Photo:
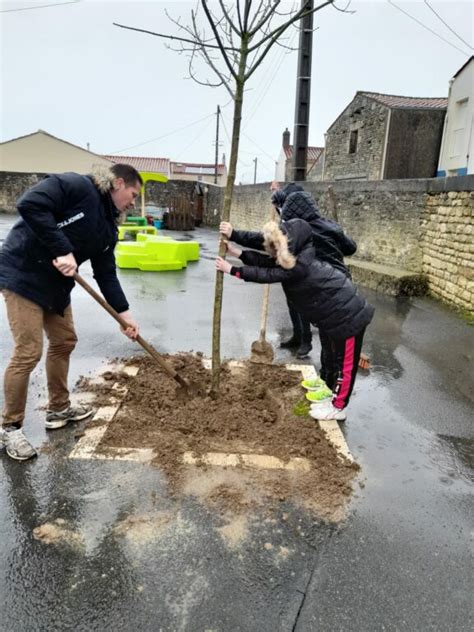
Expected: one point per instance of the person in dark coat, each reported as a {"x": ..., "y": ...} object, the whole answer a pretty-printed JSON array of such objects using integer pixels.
[
  {"x": 65, "y": 220},
  {"x": 320, "y": 292}
]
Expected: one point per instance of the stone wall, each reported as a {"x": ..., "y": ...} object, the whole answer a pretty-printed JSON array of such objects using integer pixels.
[
  {"x": 383, "y": 217},
  {"x": 448, "y": 246},
  {"x": 417, "y": 225},
  {"x": 13, "y": 185}
]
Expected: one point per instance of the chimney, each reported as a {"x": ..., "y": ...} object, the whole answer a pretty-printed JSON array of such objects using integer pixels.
[{"x": 286, "y": 139}]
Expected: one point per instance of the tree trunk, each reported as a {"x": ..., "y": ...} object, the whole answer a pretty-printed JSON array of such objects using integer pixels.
[{"x": 216, "y": 325}]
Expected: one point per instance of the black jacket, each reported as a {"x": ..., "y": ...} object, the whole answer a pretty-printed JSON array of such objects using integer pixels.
[
  {"x": 62, "y": 214},
  {"x": 317, "y": 290},
  {"x": 330, "y": 242}
]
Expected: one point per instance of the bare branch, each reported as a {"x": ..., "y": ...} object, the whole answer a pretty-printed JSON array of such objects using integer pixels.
[
  {"x": 248, "y": 6},
  {"x": 282, "y": 28},
  {"x": 225, "y": 80},
  {"x": 197, "y": 42},
  {"x": 194, "y": 78},
  {"x": 266, "y": 17},
  {"x": 228, "y": 17},
  {"x": 258, "y": 11},
  {"x": 216, "y": 34},
  {"x": 239, "y": 16},
  {"x": 273, "y": 37},
  {"x": 345, "y": 8}
]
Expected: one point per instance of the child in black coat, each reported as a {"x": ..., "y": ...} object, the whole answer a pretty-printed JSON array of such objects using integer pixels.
[{"x": 322, "y": 293}]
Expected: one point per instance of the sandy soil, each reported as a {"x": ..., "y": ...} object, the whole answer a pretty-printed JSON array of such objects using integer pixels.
[{"x": 261, "y": 410}]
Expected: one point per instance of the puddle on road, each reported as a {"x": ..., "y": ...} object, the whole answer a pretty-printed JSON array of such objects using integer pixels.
[{"x": 455, "y": 457}]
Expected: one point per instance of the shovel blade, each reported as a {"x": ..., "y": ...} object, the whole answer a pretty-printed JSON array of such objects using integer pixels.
[{"x": 261, "y": 352}]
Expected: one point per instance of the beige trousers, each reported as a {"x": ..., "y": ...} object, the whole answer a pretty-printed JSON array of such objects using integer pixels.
[{"x": 27, "y": 321}]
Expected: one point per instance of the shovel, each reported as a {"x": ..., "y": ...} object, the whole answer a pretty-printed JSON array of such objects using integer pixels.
[
  {"x": 185, "y": 389},
  {"x": 262, "y": 351}
]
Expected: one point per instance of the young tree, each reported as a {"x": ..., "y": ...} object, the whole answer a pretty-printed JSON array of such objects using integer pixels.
[{"x": 238, "y": 37}]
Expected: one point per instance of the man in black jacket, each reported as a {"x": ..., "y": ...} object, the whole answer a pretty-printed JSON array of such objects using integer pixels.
[
  {"x": 65, "y": 220},
  {"x": 320, "y": 292}
]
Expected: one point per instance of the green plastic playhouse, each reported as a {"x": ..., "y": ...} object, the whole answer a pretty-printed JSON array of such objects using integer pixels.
[{"x": 155, "y": 253}]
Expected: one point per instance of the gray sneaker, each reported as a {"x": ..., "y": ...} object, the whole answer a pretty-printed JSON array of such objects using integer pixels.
[
  {"x": 56, "y": 420},
  {"x": 17, "y": 445}
]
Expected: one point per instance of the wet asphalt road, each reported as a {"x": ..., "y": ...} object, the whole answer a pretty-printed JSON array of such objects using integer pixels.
[{"x": 400, "y": 562}]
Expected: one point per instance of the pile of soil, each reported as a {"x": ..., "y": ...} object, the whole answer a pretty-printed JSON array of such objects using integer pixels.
[{"x": 261, "y": 410}]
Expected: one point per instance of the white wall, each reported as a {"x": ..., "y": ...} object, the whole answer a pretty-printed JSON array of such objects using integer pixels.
[
  {"x": 458, "y": 135},
  {"x": 42, "y": 153}
]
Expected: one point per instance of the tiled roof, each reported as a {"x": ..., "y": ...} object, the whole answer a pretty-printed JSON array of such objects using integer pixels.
[
  {"x": 142, "y": 163},
  {"x": 313, "y": 153},
  {"x": 394, "y": 101},
  {"x": 197, "y": 168}
]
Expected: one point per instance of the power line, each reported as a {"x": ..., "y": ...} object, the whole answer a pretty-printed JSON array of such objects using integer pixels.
[
  {"x": 427, "y": 28},
  {"x": 146, "y": 142},
  {"x": 447, "y": 25},
  {"x": 42, "y": 6},
  {"x": 248, "y": 137}
]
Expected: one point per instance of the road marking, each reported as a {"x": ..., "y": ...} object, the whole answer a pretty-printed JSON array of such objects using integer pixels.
[
  {"x": 263, "y": 461},
  {"x": 86, "y": 447}
]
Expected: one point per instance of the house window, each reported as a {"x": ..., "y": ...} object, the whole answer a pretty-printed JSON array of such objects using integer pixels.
[{"x": 353, "y": 141}]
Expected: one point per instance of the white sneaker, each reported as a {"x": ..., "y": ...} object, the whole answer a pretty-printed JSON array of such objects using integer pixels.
[
  {"x": 56, "y": 420},
  {"x": 17, "y": 445},
  {"x": 326, "y": 410}
]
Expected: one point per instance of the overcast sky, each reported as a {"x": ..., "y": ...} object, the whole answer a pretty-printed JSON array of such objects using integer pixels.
[{"x": 69, "y": 71}]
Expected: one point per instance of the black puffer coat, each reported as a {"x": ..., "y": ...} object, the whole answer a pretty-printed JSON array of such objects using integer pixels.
[
  {"x": 62, "y": 214},
  {"x": 317, "y": 290},
  {"x": 330, "y": 242}
]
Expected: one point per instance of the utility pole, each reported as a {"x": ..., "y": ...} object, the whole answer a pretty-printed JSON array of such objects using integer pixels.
[
  {"x": 216, "y": 164},
  {"x": 255, "y": 171},
  {"x": 303, "y": 94}
]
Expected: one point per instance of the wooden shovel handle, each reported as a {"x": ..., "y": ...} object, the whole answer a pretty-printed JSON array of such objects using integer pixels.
[
  {"x": 263, "y": 321},
  {"x": 123, "y": 323}
]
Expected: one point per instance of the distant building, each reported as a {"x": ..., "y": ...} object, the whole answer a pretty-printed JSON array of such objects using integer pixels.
[
  {"x": 457, "y": 149},
  {"x": 283, "y": 168},
  {"x": 41, "y": 152},
  {"x": 143, "y": 164},
  {"x": 202, "y": 172},
  {"x": 382, "y": 136}
]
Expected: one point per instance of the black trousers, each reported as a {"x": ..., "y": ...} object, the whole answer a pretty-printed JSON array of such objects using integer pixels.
[
  {"x": 301, "y": 326},
  {"x": 339, "y": 363}
]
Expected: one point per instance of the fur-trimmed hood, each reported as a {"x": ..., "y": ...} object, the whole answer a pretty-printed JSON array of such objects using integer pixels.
[
  {"x": 103, "y": 177},
  {"x": 284, "y": 242}
]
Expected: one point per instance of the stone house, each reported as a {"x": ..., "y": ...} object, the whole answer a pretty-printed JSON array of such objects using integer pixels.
[
  {"x": 284, "y": 164},
  {"x": 41, "y": 152},
  {"x": 382, "y": 137},
  {"x": 457, "y": 148}
]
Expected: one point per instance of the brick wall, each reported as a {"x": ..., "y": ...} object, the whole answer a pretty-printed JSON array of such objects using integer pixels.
[{"x": 448, "y": 246}]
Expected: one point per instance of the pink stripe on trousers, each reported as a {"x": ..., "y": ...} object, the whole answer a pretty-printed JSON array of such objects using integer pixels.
[{"x": 347, "y": 366}]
